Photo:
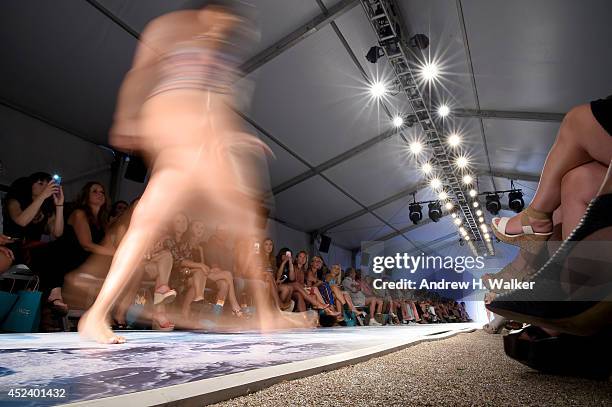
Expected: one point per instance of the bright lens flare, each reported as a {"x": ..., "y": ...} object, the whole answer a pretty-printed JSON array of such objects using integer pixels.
[
  {"x": 457, "y": 221},
  {"x": 448, "y": 206},
  {"x": 378, "y": 89},
  {"x": 427, "y": 168},
  {"x": 443, "y": 195},
  {"x": 416, "y": 147},
  {"x": 462, "y": 162},
  {"x": 435, "y": 183},
  {"x": 475, "y": 204},
  {"x": 473, "y": 193},
  {"x": 444, "y": 111},
  {"x": 467, "y": 238},
  {"x": 468, "y": 179},
  {"x": 481, "y": 219},
  {"x": 454, "y": 140},
  {"x": 398, "y": 121},
  {"x": 429, "y": 71},
  {"x": 478, "y": 212}
]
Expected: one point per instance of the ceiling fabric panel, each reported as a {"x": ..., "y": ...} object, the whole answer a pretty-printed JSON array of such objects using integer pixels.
[
  {"x": 356, "y": 231},
  {"x": 313, "y": 203},
  {"x": 517, "y": 146},
  {"x": 543, "y": 56},
  {"x": 312, "y": 98},
  {"x": 377, "y": 173},
  {"x": 66, "y": 63}
]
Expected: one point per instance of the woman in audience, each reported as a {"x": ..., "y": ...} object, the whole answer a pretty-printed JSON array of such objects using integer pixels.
[
  {"x": 34, "y": 207},
  {"x": 300, "y": 295},
  {"x": 280, "y": 294},
  {"x": 83, "y": 235},
  {"x": 343, "y": 297},
  {"x": 313, "y": 284},
  {"x": 222, "y": 278},
  {"x": 351, "y": 283},
  {"x": 376, "y": 304},
  {"x": 583, "y": 140}
]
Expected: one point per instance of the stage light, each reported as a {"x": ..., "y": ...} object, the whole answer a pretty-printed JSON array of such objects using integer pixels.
[
  {"x": 453, "y": 215},
  {"x": 487, "y": 236},
  {"x": 420, "y": 41},
  {"x": 462, "y": 161},
  {"x": 443, "y": 196},
  {"x": 467, "y": 179},
  {"x": 416, "y": 147},
  {"x": 374, "y": 54},
  {"x": 481, "y": 219},
  {"x": 457, "y": 221},
  {"x": 473, "y": 193},
  {"x": 378, "y": 89},
  {"x": 435, "y": 183},
  {"x": 462, "y": 230},
  {"x": 398, "y": 121},
  {"x": 427, "y": 168},
  {"x": 484, "y": 228},
  {"x": 416, "y": 213},
  {"x": 429, "y": 71},
  {"x": 444, "y": 111},
  {"x": 493, "y": 205},
  {"x": 449, "y": 206},
  {"x": 435, "y": 211},
  {"x": 454, "y": 140},
  {"x": 467, "y": 238},
  {"x": 475, "y": 204},
  {"x": 515, "y": 201},
  {"x": 478, "y": 212}
]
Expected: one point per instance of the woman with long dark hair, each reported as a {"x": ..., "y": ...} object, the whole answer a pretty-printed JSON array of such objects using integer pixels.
[
  {"x": 83, "y": 235},
  {"x": 34, "y": 207}
]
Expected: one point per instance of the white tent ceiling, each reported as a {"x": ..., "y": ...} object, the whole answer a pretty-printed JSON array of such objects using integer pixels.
[{"x": 64, "y": 61}]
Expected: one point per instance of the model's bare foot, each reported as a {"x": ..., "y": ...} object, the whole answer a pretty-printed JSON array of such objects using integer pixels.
[
  {"x": 96, "y": 328},
  {"x": 514, "y": 226}
]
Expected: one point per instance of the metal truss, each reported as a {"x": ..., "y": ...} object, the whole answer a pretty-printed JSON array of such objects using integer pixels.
[{"x": 386, "y": 22}]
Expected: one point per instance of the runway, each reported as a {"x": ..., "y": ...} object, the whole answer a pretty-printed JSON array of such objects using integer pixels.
[{"x": 159, "y": 367}]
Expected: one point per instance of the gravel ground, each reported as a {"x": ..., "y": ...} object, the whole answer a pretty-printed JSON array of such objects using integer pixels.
[{"x": 465, "y": 370}]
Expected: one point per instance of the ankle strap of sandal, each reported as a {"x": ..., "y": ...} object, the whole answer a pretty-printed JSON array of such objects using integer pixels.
[{"x": 535, "y": 214}]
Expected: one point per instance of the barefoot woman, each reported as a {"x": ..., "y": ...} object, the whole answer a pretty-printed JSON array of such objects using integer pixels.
[{"x": 173, "y": 108}]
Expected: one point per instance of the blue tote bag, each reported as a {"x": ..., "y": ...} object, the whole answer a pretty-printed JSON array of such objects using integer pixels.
[{"x": 25, "y": 314}]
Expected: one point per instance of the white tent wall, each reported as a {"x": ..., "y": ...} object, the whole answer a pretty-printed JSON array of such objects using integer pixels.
[
  {"x": 29, "y": 145},
  {"x": 338, "y": 255},
  {"x": 284, "y": 236}
]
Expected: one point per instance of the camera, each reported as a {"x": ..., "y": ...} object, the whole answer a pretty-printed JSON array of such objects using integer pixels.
[{"x": 57, "y": 179}]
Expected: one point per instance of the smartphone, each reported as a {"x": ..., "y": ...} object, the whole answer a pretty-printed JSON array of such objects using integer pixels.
[
  {"x": 288, "y": 253},
  {"x": 283, "y": 277},
  {"x": 57, "y": 179}
]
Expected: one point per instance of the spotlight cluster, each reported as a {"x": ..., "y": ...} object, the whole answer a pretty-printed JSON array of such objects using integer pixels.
[{"x": 444, "y": 162}]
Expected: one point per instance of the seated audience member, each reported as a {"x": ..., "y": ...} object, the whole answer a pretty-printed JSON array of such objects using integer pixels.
[
  {"x": 223, "y": 279},
  {"x": 343, "y": 297},
  {"x": 118, "y": 209},
  {"x": 301, "y": 295},
  {"x": 83, "y": 235},
  {"x": 352, "y": 284},
  {"x": 6, "y": 255},
  {"x": 281, "y": 295},
  {"x": 464, "y": 313},
  {"x": 33, "y": 209},
  {"x": 314, "y": 284},
  {"x": 247, "y": 273},
  {"x": 376, "y": 304}
]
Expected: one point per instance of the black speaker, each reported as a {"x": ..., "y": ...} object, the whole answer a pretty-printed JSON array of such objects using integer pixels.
[
  {"x": 324, "y": 245},
  {"x": 136, "y": 170},
  {"x": 365, "y": 259}
]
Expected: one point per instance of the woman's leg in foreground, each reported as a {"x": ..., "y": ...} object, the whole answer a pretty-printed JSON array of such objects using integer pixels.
[
  {"x": 580, "y": 140},
  {"x": 155, "y": 207}
]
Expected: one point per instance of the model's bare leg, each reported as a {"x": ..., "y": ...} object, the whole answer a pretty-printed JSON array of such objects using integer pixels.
[
  {"x": 580, "y": 140},
  {"x": 140, "y": 235}
]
